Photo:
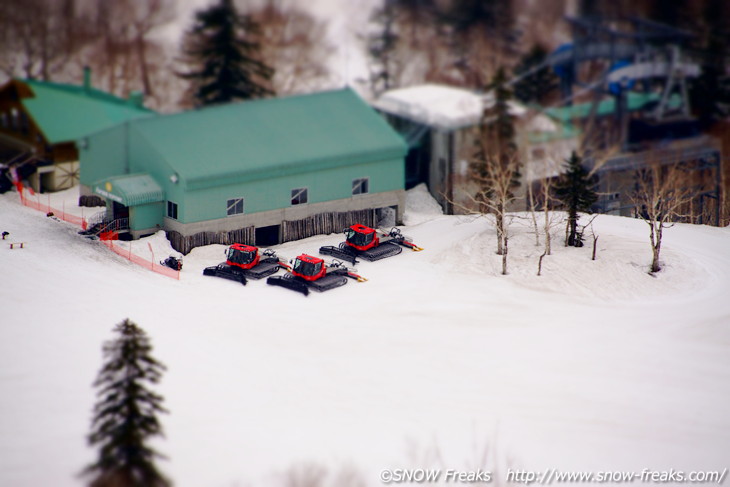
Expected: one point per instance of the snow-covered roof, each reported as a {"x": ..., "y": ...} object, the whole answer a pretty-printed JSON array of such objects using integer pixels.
[{"x": 440, "y": 106}]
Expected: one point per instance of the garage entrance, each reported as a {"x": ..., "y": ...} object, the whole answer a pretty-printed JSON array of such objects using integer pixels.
[{"x": 267, "y": 236}]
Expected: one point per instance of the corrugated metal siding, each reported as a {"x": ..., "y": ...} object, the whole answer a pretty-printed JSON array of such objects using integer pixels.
[{"x": 272, "y": 194}]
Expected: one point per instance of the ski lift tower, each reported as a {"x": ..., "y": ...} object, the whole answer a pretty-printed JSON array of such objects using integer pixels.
[{"x": 624, "y": 62}]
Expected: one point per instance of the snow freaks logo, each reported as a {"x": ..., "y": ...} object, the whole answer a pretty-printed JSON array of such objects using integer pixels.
[
  {"x": 548, "y": 477},
  {"x": 428, "y": 476}
]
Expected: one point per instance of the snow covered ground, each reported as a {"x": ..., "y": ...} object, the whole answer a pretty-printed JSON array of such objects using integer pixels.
[{"x": 437, "y": 359}]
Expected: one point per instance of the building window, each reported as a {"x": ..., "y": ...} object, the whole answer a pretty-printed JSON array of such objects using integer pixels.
[
  {"x": 360, "y": 186},
  {"x": 172, "y": 210},
  {"x": 14, "y": 119},
  {"x": 24, "y": 125},
  {"x": 299, "y": 196},
  {"x": 234, "y": 206}
]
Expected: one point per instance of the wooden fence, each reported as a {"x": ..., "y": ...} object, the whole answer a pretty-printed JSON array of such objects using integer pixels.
[
  {"x": 185, "y": 244},
  {"x": 324, "y": 223}
]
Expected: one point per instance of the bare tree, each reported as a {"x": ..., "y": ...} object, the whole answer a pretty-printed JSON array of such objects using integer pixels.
[
  {"x": 145, "y": 17},
  {"x": 480, "y": 37},
  {"x": 531, "y": 207},
  {"x": 312, "y": 474},
  {"x": 293, "y": 43},
  {"x": 55, "y": 39},
  {"x": 551, "y": 219},
  {"x": 496, "y": 195},
  {"x": 595, "y": 236},
  {"x": 38, "y": 38},
  {"x": 126, "y": 57},
  {"x": 661, "y": 197}
]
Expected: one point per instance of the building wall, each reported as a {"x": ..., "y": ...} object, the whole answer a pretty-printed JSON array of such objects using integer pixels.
[
  {"x": 267, "y": 202},
  {"x": 146, "y": 218},
  {"x": 442, "y": 155},
  {"x": 386, "y": 199},
  {"x": 275, "y": 193},
  {"x": 103, "y": 156}
]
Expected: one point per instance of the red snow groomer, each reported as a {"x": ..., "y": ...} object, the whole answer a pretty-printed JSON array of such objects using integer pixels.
[
  {"x": 309, "y": 272},
  {"x": 364, "y": 242},
  {"x": 245, "y": 261}
]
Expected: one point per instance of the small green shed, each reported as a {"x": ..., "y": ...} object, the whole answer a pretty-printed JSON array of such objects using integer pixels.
[{"x": 259, "y": 172}]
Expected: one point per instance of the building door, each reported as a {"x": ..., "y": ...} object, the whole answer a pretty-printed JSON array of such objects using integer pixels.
[
  {"x": 266, "y": 236},
  {"x": 418, "y": 162},
  {"x": 119, "y": 211}
]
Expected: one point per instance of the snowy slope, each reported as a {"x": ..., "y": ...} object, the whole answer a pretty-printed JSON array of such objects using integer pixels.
[{"x": 592, "y": 366}]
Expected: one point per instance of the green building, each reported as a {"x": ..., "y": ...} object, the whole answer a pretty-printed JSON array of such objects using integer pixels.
[
  {"x": 40, "y": 121},
  {"x": 258, "y": 172}
]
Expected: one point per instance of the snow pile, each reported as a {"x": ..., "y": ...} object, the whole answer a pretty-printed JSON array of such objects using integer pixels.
[
  {"x": 433, "y": 105},
  {"x": 156, "y": 247},
  {"x": 439, "y": 105},
  {"x": 420, "y": 206},
  {"x": 593, "y": 366}
]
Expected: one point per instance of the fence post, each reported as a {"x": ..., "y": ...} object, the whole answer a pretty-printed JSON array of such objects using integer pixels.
[{"x": 153, "y": 256}]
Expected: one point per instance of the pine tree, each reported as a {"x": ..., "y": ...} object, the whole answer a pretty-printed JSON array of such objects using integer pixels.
[
  {"x": 381, "y": 48},
  {"x": 225, "y": 57},
  {"x": 574, "y": 189},
  {"x": 536, "y": 86},
  {"x": 125, "y": 415}
]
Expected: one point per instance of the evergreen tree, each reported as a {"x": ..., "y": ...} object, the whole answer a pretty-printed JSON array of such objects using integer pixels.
[
  {"x": 574, "y": 189},
  {"x": 534, "y": 87},
  {"x": 381, "y": 48},
  {"x": 126, "y": 414},
  {"x": 225, "y": 56}
]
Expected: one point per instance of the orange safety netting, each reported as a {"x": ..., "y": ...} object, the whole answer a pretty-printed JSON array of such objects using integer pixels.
[
  {"x": 106, "y": 238},
  {"x": 149, "y": 264},
  {"x": 50, "y": 211}
]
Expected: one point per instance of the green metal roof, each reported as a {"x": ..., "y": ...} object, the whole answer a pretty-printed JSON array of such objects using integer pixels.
[
  {"x": 636, "y": 101},
  {"x": 68, "y": 112},
  {"x": 130, "y": 190},
  {"x": 566, "y": 131},
  {"x": 270, "y": 138}
]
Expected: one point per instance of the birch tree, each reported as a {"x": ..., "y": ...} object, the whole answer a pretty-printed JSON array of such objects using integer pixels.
[
  {"x": 496, "y": 163},
  {"x": 661, "y": 198}
]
